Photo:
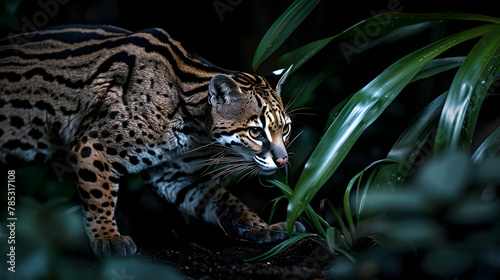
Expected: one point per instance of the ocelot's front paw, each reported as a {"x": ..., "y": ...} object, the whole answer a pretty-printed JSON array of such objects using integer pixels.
[
  {"x": 121, "y": 245},
  {"x": 271, "y": 233}
]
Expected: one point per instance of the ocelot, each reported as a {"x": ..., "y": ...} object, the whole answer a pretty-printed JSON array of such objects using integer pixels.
[{"x": 123, "y": 102}]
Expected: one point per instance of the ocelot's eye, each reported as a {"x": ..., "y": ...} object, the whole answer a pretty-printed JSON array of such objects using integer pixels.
[
  {"x": 255, "y": 132},
  {"x": 286, "y": 129}
]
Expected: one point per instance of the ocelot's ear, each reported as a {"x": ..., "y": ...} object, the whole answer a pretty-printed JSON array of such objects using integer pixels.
[
  {"x": 222, "y": 89},
  {"x": 277, "y": 78}
]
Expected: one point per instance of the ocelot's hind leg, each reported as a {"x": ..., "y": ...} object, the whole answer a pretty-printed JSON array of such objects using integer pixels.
[{"x": 98, "y": 188}]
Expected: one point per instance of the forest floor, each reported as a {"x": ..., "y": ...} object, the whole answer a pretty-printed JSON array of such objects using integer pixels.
[
  {"x": 211, "y": 260},
  {"x": 216, "y": 260},
  {"x": 196, "y": 250}
]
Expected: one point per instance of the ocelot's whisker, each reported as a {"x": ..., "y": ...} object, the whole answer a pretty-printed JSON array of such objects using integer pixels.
[
  {"x": 294, "y": 138},
  {"x": 218, "y": 168},
  {"x": 204, "y": 146},
  {"x": 228, "y": 170},
  {"x": 214, "y": 159},
  {"x": 296, "y": 111},
  {"x": 294, "y": 98}
]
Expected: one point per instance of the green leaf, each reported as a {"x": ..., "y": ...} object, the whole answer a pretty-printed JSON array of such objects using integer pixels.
[
  {"x": 283, "y": 187},
  {"x": 282, "y": 246},
  {"x": 336, "y": 111},
  {"x": 347, "y": 203},
  {"x": 489, "y": 148},
  {"x": 300, "y": 55},
  {"x": 466, "y": 95},
  {"x": 330, "y": 238},
  {"x": 275, "y": 205},
  {"x": 434, "y": 67},
  {"x": 315, "y": 221},
  {"x": 407, "y": 147},
  {"x": 316, "y": 216},
  {"x": 360, "y": 202},
  {"x": 361, "y": 111},
  {"x": 386, "y": 23},
  {"x": 282, "y": 28},
  {"x": 347, "y": 235},
  {"x": 437, "y": 66}
]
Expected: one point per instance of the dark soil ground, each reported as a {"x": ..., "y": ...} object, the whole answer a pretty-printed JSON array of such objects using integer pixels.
[
  {"x": 305, "y": 260},
  {"x": 225, "y": 259}
]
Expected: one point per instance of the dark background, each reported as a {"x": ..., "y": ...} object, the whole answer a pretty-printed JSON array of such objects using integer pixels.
[{"x": 228, "y": 38}]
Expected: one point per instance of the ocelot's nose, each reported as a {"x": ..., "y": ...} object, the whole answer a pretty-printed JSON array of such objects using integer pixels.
[
  {"x": 281, "y": 161},
  {"x": 279, "y": 154}
]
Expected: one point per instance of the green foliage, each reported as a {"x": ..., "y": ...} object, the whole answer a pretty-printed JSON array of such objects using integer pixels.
[
  {"x": 454, "y": 114},
  {"x": 441, "y": 222},
  {"x": 490, "y": 147},
  {"x": 467, "y": 92},
  {"x": 351, "y": 238},
  {"x": 360, "y": 112}
]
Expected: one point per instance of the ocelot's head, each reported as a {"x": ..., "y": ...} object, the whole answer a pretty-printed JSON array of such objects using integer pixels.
[{"x": 249, "y": 121}]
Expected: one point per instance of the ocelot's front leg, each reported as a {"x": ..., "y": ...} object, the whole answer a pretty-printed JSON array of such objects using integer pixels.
[
  {"x": 238, "y": 220},
  {"x": 204, "y": 198},
  {"x": 98, "y": 188}
]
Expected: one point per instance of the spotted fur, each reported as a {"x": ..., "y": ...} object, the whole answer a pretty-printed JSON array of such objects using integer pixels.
[{"x": 123, "y": 102}]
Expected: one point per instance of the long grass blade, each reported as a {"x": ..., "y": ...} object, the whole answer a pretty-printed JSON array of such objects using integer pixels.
[
  {"x": 360, "y": 200},
  {"x": 315, "y": 223},
  {"x": 437, "y": 66},
  {"x": 346, "y": 202},
  {"x": 466, "y": 95},
  {"x": 330, "y": 238},
  {"x": 274, "y": 207},
  {"x": 283, "y": 187},
  {"x": 317, "y": 217},
  {"x": 386, "y": 23},
  {"x": 362, "y": 110},
  {"x": 434, "y": 67},
  {"x": 282, "y": 28},
  {"x": 280, "y": 247},
  {"x": 347, "y": 235},
  {"x": 409, "y": 145},
  {"x": 489, "y": 148}
]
